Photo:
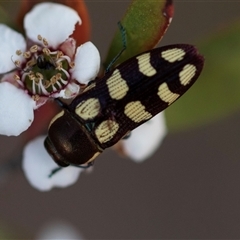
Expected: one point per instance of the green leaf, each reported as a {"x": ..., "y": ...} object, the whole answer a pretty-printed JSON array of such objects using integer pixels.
[
  {"x": 217, "y": 91},
  {"x": 145, "y": 23}
]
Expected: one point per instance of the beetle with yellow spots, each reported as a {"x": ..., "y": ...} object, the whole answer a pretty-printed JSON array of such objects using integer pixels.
[{"x": 122, "y": 100}]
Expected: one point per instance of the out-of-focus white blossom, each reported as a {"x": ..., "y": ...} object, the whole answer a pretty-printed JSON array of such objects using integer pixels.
[
  {"x": 58, "y": 230},
  {"x": 145, "y": 139},
  {"x": 38, "y": 166}
]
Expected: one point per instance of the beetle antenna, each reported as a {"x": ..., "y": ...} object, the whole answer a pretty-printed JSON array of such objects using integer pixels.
[
  {"x": 54, "y": 171},
  {"x": 124, "y": 42},
  {"x": 57, "y": 169}
]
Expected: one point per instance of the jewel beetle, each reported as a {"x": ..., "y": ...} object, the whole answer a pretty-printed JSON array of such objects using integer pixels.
[{"x": 122, "y": 100}]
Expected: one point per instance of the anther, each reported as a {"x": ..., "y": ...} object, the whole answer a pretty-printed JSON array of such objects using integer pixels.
[
  {"x": 45, "y": 42},
  {"x": 16, "y": 77},
  {"x": 72, "y": 64},
  {"x": 59, "y": 54},
  {"x": 30, "y": 63},
  {"x": 58, "y": 76},
  {"x": 39, "y": 75},
  {"x": 35, "y": 97},
  {"x": 27, "y": 54},
  {"x": 34, "y": 48},
  {"x": 17, "y": 63},
  {"x": 46, "y": 51},
  {"x": 39, "y": 37},
  {"x": 59, "y": 66},
  {"x": 18, "y": 52},
  {"x": 37, "y": 80},
  {"x": 31, "y": 76},
  {"x": 47, "y": 84},
  {"x": 53, "y": 79}
]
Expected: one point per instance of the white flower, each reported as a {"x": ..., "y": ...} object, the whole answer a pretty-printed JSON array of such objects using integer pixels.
[
  {"x": 47, "y": 65},
  {"x": 145, "y": 139},
  {"x": 58, "y": 229},
  {"x": 38, "y": 167}
]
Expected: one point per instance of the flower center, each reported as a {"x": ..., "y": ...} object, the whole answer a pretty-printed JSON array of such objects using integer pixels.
[{"x": 43, "y": 71}]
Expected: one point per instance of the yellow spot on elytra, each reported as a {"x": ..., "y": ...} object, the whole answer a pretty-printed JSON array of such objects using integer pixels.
[
  {"x": 106, "y": 130},
  {"x": 187, "y": 74},
  {"x": 166, "y": 95},
  {"x": 145, "y": 66},
  {"x": 55, "y": 118},
  {"x": 117, "y": 86},
  {"x": 136, "y": 112},
  {"x": 88, "y": 109},
  {"x": 173, "y": 55}
]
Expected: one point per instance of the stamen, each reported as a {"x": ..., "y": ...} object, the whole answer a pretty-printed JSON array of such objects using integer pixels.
[
  {"x": 59, "y": 84},
  {"x": 46, "y": 51},
  {"x": 66, "y": 72},
  {"x": 59, "y": 66},
  {"x": 16, "y": 77},
  {"x": 18, "y": 52},
  {"x": 72, "y": 64},
  {"x": 37, "y": 80},
  {"x": 39, "y": 76},
  {"x": 64, "y": 57},
  {"x": 33, "y": 87},
  {"x": 47, "y": 84},
  {"x": 39, "y": 37},
  {"x": 35, "y": 97},
  {"x": 42, "y": 88},
  {"x": 31, "y": 76},
  {"x": 58, "y": 76},
  {"x": 59, "y": 54},
  {"x": 54, "y": 89},
  {"x": 53, "y": 79},
  {"x": 17, "y": 63},
  {"x": 34, "y": 48},
  {"x": 20, "y": 83},
  {"x": 31, "y": 63},
  {"x": 27, "y": 54},
  {"x": 64, "y": 82},
  {"x": 45, "y": 42}
]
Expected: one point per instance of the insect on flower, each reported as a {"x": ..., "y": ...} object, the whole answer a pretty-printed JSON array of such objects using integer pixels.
[{"x": 122, "y": 100}]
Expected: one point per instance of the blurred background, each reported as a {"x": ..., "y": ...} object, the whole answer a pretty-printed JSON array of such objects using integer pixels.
[{"x": 187, "y": 190}]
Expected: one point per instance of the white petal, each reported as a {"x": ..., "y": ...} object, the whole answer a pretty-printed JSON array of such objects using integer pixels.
[
  {"x": 87, "y": 63},
  {"x": 10, "y": 42},
  {"x": 38, "y": 165},
  {"x": 16, "y": 110},
  {"x": 55, "y": 22},
  {"x": 58, "y": 230},
  {"x": 145, "y": 139}
]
